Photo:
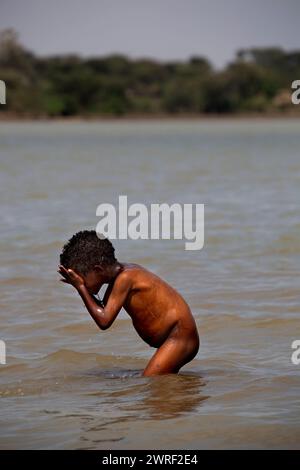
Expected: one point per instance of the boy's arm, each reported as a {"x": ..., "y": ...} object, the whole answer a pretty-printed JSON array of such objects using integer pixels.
[
  {"x": 103, "y": 316},
  {"x": 99, "y": 302},
  {"x": 107, "y": 293}
]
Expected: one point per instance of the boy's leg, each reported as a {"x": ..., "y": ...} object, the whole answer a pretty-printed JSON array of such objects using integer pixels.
[{"x": 172, "y": 355}]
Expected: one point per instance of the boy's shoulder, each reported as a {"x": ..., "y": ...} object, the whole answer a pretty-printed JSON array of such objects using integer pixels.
[
  {"x": 131, "y": 268},
  {"x": 133, "y": 272},
  {"x": 128, "y": 278}
]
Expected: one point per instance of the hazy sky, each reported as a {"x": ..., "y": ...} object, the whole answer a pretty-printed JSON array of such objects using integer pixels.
[{"x": 163, "y": 29}]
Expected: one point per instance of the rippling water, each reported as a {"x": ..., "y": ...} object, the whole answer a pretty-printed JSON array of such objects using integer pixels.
[{"x": 67, "y": 384}]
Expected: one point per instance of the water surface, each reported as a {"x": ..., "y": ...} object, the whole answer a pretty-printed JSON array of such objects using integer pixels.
[{"x": 67, "y": 384}]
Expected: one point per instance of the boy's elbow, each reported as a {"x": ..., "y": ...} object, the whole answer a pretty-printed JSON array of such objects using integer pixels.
[
  {"x": 105, "y": 323},
  {"x": 102, "y": 319},
  {"x": 103, "y": 326}
]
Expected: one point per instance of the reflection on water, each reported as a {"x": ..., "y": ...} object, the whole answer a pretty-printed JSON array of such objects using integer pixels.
[
  {"x": 168, "y": 397},
  {"x": 160, "y": 398}
]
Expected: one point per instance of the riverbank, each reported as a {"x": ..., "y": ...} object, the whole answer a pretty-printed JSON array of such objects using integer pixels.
[{"x": 294, "y": 114}]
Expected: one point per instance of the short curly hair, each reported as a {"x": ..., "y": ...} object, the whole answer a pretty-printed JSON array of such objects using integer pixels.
[{"x": 85, "y": 249}]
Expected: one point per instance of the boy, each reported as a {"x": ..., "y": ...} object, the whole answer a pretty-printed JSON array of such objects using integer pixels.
[{"x": 159, "y": 314}]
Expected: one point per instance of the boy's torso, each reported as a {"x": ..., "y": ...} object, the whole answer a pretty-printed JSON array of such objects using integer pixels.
[{"x": 155, "y": 307}]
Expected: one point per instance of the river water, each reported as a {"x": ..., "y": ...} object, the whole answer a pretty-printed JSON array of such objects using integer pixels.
[{"x": 68, "y": 385}]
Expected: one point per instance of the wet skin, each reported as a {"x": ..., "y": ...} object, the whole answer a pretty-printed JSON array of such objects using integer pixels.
[{"x": 159, "y": 314}]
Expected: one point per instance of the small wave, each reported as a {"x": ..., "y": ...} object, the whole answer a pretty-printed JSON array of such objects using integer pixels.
[
  {"x": 67, "y": 357},
  {"x": 210, "y": 323},
  {"x": 77, "y": 328},
  {"x": 276, "y": 323},
  {"x": 19, "y": 281}
]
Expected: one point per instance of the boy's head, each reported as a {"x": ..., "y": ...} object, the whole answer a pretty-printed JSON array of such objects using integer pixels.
[{"x": 91, "y": 257}]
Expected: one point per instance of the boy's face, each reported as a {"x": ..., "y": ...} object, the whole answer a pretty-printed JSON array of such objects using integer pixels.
[{"x": 93, "y": 281}]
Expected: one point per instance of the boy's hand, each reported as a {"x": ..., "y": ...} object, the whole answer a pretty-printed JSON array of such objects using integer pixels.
[{"x": 70, "y": 277}]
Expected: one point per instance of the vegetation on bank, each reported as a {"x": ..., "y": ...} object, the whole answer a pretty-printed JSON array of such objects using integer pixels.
[{"x": 258, "y": 81}]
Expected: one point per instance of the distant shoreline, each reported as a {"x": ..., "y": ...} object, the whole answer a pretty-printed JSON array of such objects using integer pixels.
[{"x": 10, "y": 117}]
